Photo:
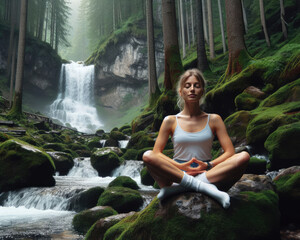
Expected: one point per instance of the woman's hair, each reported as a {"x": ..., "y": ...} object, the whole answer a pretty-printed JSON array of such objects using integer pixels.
[{"x": 188, "y": 73}]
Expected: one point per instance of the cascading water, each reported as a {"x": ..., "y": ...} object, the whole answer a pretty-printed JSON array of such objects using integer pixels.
[
  {"x": 75, "y": 102},
  {"x": 41, "y": 213}
]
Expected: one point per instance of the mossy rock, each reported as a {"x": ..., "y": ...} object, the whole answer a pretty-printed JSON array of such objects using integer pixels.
[
  {"x": 245, "y": 101},
  {"x": 55, "y": 146},
  {"x": 142, "y": 151},
  {"x": 105, "y": 160},
  {"x": 140, "y": 140},
  {"x": 85, "y": 219},
  {"x": 237, "y": 125},
  {"x": 185, "y": 216},
  {"x": 63, "y": 162},
  {"x": 121, "y": 199},
  {"x": 126, "y": 129},
  {"x": 283, "y": 146},
  {"x": 124, "y": 181},
  {"x": 256, "y": 166},
  {"x": 30, "y": 140},
  {"x": 143, "y": 122},
  {"x": 117, "y": 135},
  {"x": 77, "y": 146},
  {"x": 265, "y": 120},
  {"x": 86, "y": 199},
  {"x": 94, "y": 143},
  {"x": 288, "y": 188},
  {"x": 50, "y": 138},
  {"x": 169, "y": 153},
  {"x": 100, "y": 132},
  {"x": 111, "y": 143},
  {"x": 146, "y": 177},
  {"x": 288, "y": 93},
  {"x": 130, "y": 154},
  {"x": 24, "y": 165}
]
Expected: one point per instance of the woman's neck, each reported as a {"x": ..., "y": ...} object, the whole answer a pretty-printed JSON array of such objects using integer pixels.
[{"x": 192, "y": 110}]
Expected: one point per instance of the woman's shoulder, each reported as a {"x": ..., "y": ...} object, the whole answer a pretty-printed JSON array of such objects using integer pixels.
[
  {"x": 170, "y": 119},
  {"x": 215, "y": 118}
]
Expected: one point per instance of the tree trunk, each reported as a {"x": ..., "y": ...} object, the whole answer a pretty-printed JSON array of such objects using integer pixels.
[
  {"x": 263, "y": 21},
  {"x": 114, "y": 20},
  {"x": 210, "y": 30},
  {"x": 192, "y": 21},
  {"x": 244, "y": 17},
  {"x": 41, "y": 20},
  {"x": 202, "y": 63},
  {"x": 222, "y": 26},
  {"x": 152, "y": 78},
  {"x": 204, "y": 21},
  {"x": 173, "y": 64},
  {"x": 17, "y": 104},
  {"x": 283, "y": 23},
  {"x": 46, "y": 24},
  {"x": 179, "y": 23},
  {"x": 12, "y": 71},
  {"x": 237, "y": 52},
  {"x": 11, "y": 37},
  {"x": 182, "y": 30},
  {"x": 187, "y": 24}
]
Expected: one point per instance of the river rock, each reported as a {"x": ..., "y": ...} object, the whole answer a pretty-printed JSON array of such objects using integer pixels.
[
  {"x": 122, "y": 199},
  {"x": 105, "y": 160},
  {"x": 140, "y": 140},
  {"x": 253, "y": 214},
  {"x": 124, "y": 181},
  {"x": 86, "y": 199},
  {"x": 288, "y": 188},
  {"x": 97, "y": 231},
  {"x": 85, "y": 219},
  {"x": 63, "y": 162},
  {"x": 24, "y": 165}
]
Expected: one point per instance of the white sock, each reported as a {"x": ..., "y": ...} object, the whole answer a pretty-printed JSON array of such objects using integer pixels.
[
  {"x": 168, "y": 191},
  {"x": 206, "y": 188}
]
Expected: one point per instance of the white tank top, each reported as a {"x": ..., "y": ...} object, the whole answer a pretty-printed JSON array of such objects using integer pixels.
[{"x": 192, "y": 144}]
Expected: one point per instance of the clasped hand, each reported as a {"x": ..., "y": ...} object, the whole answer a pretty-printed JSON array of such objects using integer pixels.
[{"x": 193, "y": 170}]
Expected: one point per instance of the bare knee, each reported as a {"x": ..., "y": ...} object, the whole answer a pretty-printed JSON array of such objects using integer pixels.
[
  {"x": 243, "y": 158},
  {"x": 148, "y": 157}
]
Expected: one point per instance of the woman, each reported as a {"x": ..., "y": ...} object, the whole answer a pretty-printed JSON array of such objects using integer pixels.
[{"x": 192, "y": 132}]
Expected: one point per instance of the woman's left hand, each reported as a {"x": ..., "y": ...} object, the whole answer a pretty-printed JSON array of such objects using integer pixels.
[{"x": 196, "y": 170}]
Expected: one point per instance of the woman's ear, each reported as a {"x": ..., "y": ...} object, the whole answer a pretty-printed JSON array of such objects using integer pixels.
[{"x": 179, "y": 91}]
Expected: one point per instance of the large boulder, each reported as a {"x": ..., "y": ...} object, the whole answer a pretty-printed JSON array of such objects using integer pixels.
[
  {"x": 253, "y": 214},
  {"x": 140, "y": 140},
  {"x": 283, "y": 146},
  {"x": 105, "y": 160},
  {"x": 63, "y": 162},
  {"x": 23, "y": 165},
  {"x": 86, "y": 199},
  {"x": 85, "y": 219},
  {"x": 288, "y": 188},
  {"x": 121, "y": 199}
]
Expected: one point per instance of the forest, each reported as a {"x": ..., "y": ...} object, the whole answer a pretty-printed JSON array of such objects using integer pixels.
[{"x": 85, "y": 86}]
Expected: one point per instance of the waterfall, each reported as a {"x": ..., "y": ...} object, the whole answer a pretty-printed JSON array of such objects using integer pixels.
[
  {"x": 75, "y": 101},
  {"x": 130, "y": 168}
]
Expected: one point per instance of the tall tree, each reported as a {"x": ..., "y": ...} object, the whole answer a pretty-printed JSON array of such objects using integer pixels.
[
  {"x": 237, "y": 52},
  {"x": 152, "y": 78},
  {"x": 182, "y": 29},
  {"x": 204, "y": 15},
  {"x": 192, "y": 21},
  {"x": 16, "y": 109},
  {"x": 244, "y": 17},
  {"x": 210, "y": 30},
  {"x": 173, "y": 64},
  {"x": 283, "y": 23},
  {"x": 187, "y": 24},
  {"x": 222, "y": 26},
  {"x": 202, "y": 63},
  {"x": 263, "y": 21}
]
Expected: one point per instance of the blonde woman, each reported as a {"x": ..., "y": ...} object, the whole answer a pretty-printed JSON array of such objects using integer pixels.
[{"x": 193, "y": 131}]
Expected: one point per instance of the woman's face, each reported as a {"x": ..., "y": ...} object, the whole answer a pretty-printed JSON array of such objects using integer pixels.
[{"x": 191, "y": 90}]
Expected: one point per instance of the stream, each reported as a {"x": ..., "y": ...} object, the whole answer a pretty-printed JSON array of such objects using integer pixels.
[{"x": 42, "y": 213}]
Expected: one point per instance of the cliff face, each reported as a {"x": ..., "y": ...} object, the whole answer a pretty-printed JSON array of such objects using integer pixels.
[
  {"x": 41, "y": 70},
  {"x": 122, "y": 69}
]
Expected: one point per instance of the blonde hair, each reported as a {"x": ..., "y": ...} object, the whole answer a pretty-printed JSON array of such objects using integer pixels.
[{"x": 188, "y": 73}]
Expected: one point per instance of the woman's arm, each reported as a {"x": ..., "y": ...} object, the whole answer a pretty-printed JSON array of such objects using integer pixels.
[{"x": 218, "y": 127}]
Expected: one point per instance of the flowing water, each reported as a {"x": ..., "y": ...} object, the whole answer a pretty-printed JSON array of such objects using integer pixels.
[
  {"x": 43, "y": 213},
  {"x": 75, "y": 102}
]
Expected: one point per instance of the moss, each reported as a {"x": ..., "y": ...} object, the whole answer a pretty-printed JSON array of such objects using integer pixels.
[
  {"x": 124, "y": 181},
  {"x": 121, "y": 199},
  {"x": 94, "y": 143},
  {"x": 146, "y": 177},
  {"x": 23, "y": 165},
  {"x": 169, "y": 153},
  {"x": 85, "y": 219},
  {"x": 131, "y": 154},
  {"x": 55, "y": 146},
  {"x": 140, "y": 140},
  {"x": 245, "y": 101},
  {"x": 283, "y": 146},
  {"x": 4, "y": 137},
  {"x": 256, "y": 166},
  {"x": 117, "y": 135}
]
